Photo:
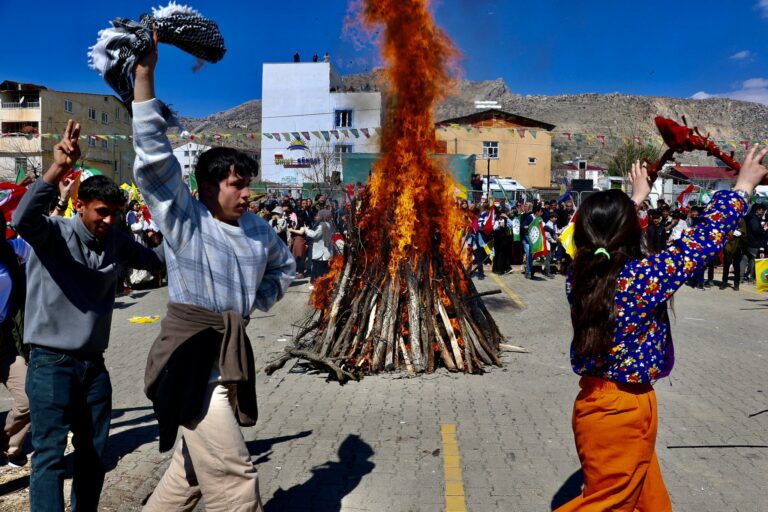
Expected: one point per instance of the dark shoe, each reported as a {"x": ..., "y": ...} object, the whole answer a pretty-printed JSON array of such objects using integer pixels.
[
  {"x": 736, "y": 287},
  {"x": 708, "y": 284},
  {"x": 528, "y": 275},
  {"x": 549, "y": 276},
  {"x": 481, "y": 277},
  {"x": 18, "y": 461},
  {"x": 723, "y": 286},
  {"x": 700, "y": 287}
]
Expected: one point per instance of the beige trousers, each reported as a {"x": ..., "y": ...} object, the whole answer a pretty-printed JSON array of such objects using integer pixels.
[
  {"x": 13, "y": 373},
  {"x": 210, "y": 461}
]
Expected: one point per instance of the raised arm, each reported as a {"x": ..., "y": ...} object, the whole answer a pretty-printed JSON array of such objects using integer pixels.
[
  {"x": 157, "y": 172},
  {"x": 653, "y": 280},
  {"x": 31, "y": 216}
]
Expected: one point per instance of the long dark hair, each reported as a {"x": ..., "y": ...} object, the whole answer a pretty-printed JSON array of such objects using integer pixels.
[
  {"x": 18, "y": 279},
  {"x": 605, "y": 220}
]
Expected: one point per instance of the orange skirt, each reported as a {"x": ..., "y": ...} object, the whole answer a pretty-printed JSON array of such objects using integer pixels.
[{"x": 614, "y": 425}]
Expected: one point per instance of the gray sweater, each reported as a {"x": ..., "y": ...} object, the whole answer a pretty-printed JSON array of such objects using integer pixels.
[{"x": 72, "y": 275}]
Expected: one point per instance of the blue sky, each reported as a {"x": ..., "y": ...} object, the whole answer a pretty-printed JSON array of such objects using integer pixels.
[{"x": 670, "y": 48}]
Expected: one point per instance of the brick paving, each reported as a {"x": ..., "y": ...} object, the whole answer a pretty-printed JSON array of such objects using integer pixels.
[{"x": 376, "y": 445}]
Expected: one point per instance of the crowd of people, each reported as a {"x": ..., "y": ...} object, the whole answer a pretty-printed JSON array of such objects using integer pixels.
[
  {"x": 499, "y": 235},
  {"x": 313, "y": 229}
]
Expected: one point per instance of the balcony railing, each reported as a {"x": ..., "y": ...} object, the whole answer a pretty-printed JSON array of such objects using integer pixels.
[{"x": 16, "y": 104}]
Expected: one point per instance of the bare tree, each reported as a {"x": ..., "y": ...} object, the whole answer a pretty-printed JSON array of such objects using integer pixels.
[
  {"x": 17, "y": 147},
  {"x": 324, "y": 165}
]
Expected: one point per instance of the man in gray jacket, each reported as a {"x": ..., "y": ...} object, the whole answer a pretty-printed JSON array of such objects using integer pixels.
[{"x": 71, "y": 283}]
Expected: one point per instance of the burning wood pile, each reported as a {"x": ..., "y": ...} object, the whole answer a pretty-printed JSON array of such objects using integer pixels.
[{"x": 400, "y": 298}]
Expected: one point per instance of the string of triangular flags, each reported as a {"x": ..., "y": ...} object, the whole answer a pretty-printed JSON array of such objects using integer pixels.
[
  {"x": 327, "y": 135},
  {"x": 347, "y": 133}
]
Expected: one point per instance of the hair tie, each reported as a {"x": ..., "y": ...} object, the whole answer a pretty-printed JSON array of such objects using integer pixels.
[{"x": 602, "y": 250}]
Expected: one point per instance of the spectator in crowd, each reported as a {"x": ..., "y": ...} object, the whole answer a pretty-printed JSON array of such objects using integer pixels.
[
  {"x": 732, "y": 254},
  {"x": 655, "y": 234},
  {"x": 755, "y": 239}
]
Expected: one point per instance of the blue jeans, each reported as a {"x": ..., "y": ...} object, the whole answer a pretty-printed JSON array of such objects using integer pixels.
[
  {"x": 66, "y": 392},
  {"x": 528, "y": 257}
]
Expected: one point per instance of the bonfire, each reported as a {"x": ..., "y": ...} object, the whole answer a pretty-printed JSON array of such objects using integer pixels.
[{"x": 400, "y": 297}]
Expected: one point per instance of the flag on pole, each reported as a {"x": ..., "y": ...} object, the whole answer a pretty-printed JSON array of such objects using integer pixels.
[
  {"x": 489, "y": 220},
  {"x": 21, "y": 174},
  {"x": 761, "y": 275},
  {"x": 10, "y": 195},
  {"x": 566, "y": 239},
  {"x": 693, "y": 193},
  {"x": 537, "y": 238}
]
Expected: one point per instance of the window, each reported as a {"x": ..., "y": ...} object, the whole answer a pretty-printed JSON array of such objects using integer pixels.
[
  {"x": 343, "y": 119},
  {"x": 490, "y": 150},
  {"x": 186, "y": 153},
  {"x": 531, "y": 160},
  {"x": 19, "y": 164},
  {"x": 342, "y": 148},
  {"x": 68, "y": 106},
  {"x": 92, "y": 114},
  {"x": 104, "y": 118},
  {"x": 105, "y": 144},
  {"x": 91, "y": 142},
  {"x": 117, "y": 113}
]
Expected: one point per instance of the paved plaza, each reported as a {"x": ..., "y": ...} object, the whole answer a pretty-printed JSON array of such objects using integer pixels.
[{"x": 443, "y": 442}]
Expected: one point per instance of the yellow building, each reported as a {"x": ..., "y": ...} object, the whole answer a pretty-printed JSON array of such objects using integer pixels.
[
  {"x": 28, "y": 112},
  {"x": 514, "y": 146}
]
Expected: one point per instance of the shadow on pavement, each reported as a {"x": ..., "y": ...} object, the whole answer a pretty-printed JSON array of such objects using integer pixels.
[
  {"x": 330, "y": 482},
  {"x": 14, "y": 485},
  {"x": 122, "y": 443},
  {"x": 569, "y": 490},
  {"x": 263, "y": 447}
]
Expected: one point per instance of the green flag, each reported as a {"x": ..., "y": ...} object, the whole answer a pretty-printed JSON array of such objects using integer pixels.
[
  {"x": 192, "y": 182},
  {"x": 516, "y": 228},
  {"x": 537, "y": 238},
  {"x": 21, "y": 174}
]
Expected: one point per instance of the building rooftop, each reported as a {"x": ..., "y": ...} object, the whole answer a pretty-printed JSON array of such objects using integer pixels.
[{"x": 493, "y": 114}]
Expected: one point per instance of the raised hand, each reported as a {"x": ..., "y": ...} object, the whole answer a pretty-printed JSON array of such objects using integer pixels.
[
  {"x": 641, "y": 185},
  {"x": 144, "y": 74},
  {"x": 67, "y": 151},
  {"x": 752, "y": 170}
]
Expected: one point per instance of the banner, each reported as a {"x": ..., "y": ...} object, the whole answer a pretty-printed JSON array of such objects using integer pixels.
[{"x": 761, "y": 274}]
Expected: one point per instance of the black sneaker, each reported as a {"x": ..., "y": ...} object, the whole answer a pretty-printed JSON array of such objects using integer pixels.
[
  {"x": 17, "y": 461},
  {"x": 736, "y": 287}
]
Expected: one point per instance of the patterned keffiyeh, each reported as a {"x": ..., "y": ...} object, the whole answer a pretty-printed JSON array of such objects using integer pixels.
[{"x": 119, "y": 48}]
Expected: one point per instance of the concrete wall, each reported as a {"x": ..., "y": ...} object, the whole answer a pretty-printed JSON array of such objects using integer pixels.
[{"x": 514, "y": 152}]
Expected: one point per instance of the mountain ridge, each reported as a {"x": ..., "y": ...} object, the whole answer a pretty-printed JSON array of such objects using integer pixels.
[{"x": 612, "y": 114}]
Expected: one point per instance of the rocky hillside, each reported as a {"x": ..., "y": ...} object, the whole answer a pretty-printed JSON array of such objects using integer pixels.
[{"x": 608, "y": 114}]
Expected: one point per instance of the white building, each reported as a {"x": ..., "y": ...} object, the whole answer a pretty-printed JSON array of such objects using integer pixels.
[
  {"x": 308, "y": 117},
  {"x": 187, "y": 157}
]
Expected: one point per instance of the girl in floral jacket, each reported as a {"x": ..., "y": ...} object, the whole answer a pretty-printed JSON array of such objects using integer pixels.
[{"x": 622, "y": 342}]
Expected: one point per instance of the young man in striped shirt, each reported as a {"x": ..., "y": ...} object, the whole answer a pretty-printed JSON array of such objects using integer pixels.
[{"x": 223, "y": 263}]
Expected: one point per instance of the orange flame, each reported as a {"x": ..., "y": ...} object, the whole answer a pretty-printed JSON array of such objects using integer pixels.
[{"x": 411, "y": 203}]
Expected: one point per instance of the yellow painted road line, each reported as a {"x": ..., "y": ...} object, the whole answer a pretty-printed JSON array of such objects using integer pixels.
[
  {"x": 512, "y": 295},
  {"x": 454, "y": 481}
]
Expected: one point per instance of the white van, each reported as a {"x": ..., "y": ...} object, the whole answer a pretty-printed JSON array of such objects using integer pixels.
[{"x": 502, "y": 187}]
